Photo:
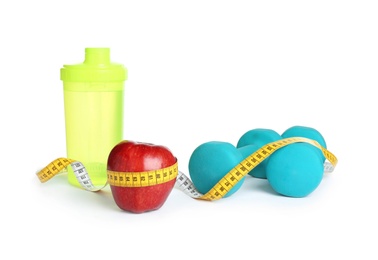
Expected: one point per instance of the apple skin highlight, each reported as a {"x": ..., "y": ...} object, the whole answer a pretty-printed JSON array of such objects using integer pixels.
[{"x": 130, "y": 156}]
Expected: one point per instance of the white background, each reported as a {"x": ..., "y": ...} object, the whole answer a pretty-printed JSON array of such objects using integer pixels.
[{"x": 198, "y": 71}]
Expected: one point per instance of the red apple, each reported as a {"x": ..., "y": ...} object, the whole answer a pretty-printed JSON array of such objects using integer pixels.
[{"x": 136, "y": 157}]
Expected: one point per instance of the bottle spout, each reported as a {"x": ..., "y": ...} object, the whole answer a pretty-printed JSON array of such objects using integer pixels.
[{"x": 97, "y": 56}]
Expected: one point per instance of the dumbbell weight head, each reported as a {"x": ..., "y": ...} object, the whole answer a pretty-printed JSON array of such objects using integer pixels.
[
  {"x": 295, "y": 170},
  {"x": 210, "y": 162},
  {"x": 307, "y": 132}
]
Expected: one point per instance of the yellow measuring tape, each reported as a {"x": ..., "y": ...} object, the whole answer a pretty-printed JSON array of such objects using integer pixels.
[
  {"x": 148, "y": 178},
  {"x": 142, "y": 179},
  {"x": 122, "y": 179}
]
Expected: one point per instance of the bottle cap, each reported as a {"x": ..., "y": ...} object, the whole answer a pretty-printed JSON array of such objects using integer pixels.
[{"x": 96, "y": 67}]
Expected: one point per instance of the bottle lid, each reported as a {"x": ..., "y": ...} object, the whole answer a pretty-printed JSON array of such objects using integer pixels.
[{"x": 96, "y": 67}]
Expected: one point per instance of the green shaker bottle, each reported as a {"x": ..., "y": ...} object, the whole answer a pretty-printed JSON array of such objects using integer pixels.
[{"x": 93, "y": 107}]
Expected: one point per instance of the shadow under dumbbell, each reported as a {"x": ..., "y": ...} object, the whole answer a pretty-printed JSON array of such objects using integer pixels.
[{"x": 258, "y": 185}]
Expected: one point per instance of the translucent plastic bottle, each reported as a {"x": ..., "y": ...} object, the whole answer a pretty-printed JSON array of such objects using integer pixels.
[{"x": 93, "y": 104}]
